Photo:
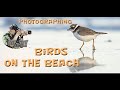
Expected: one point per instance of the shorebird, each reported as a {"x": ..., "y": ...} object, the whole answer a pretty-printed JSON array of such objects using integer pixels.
[{"x": 84, "y": 34}]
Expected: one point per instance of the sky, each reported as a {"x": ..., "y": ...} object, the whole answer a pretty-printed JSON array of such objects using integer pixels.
[{"x": 110, "y": 23}]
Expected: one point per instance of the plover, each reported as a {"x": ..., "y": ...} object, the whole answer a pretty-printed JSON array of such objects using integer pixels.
[{"x": 84, "y": 34}]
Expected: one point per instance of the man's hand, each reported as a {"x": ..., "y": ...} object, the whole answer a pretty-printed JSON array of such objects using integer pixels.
[{"x": 18, "y": 32}]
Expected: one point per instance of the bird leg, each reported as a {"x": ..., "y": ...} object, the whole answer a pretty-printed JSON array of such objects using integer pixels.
[
  {"x": 93, "y": 54},
  {"x": 82, "y": 53},
  {"x": 93, "y": 45},
  {"x": 81, "y": 46}
]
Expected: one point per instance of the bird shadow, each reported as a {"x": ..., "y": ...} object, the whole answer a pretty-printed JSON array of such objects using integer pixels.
[{"x": 85, "y": 63}]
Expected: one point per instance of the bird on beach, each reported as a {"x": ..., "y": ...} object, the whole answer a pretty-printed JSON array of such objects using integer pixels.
[{"x": 84, "y": 34}]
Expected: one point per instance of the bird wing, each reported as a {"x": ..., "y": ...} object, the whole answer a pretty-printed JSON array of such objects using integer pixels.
[{"x": 86, "y": 31}]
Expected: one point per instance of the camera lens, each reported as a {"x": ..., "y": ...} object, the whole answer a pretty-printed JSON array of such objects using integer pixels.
[{"x": 29, "y": 32}]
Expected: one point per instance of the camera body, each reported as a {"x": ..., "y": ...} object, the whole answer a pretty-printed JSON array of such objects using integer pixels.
[{"x": 25, "y": 32}]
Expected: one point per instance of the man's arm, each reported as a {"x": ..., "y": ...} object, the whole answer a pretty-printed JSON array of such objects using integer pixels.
[{"x": 16, "y": 35}]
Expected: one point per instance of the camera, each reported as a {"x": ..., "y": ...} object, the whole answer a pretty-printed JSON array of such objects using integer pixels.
[{"x": 26, "y": 32}]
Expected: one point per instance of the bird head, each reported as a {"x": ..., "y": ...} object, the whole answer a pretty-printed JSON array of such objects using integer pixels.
[{"x": 72, "y": 27}]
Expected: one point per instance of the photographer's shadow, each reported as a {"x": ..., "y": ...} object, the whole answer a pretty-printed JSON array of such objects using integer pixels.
[{"x": 85, "y": 63}]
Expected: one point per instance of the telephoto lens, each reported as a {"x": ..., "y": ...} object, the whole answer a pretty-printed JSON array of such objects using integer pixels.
[{"x": 29, "y": 32}]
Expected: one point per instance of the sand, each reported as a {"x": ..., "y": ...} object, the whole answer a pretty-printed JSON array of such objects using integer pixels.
[{"x": 106, "y": 56}]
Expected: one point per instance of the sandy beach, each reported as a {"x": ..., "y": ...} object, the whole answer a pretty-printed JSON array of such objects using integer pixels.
[{"x": 106, "y": 56}]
